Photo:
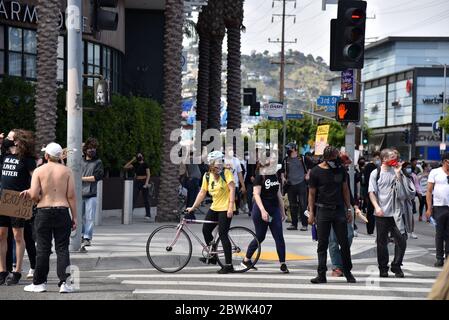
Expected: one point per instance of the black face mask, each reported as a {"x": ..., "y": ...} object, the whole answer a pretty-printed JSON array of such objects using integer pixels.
[
  {"x": 139, "y": 158},
  {"x": 334, "y": 164},
  {"x": 8, "y": 143}
]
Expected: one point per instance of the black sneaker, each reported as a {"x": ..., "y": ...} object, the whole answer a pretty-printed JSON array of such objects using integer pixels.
[
  {"x": 383, "y": 274},
  {"x": 397, "y": 272},
  {"x": 13, "y": 278},
  {"x": 284, "y": 268},
  {"x": 292, "y": 228},
  {"x": 319, "y": 279},
  {"x": 226, "y": 269},
  {"x": 303, "y": 228},
  {"x": 212, "y": 260},
  {"x": 439, "y": 263},
  {"x": 248, "y": 264},
  {"x": 3, "y": 276},
  {"x": 350, "y": 278}
]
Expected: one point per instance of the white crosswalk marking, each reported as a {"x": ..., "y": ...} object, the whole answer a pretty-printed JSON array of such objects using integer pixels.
[{"x": 268, "y": 283}]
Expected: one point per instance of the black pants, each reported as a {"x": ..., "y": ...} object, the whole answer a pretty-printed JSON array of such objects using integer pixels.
[
  {"x": 325, "y": 219},
  {"x": 370, "y": 216},
  {"x": 384, "y": 226},
  {"x": 441, "y": 215},
  {"x": 139, "y": 189},
  {"x": 9, "y": 252},
  {"x": 224, "y": 224},
  {"x": 261, "y": 227},
  {"x": 422, "y": 204},
  {"x": 30, "y": 242},
  {"x": 297, "y": 197},
  {"x": 52, "y": 223}
]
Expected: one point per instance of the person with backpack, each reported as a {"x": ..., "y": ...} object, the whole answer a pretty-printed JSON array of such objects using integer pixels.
[
  {"x": 364, "y": 185},
  {"x": 268, "y": 212},
  {"x": 389, "y": 191},
  {"x": 294, "y": 175},
  {"x": 219, "y": 182}
]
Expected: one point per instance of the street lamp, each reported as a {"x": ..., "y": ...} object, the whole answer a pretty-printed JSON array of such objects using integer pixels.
[{"x": 443, "y": 138}]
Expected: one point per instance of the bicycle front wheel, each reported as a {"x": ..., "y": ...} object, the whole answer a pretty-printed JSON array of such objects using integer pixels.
[
  {"x": 169, "y": 249},
  {"x": 240, "y": 239}
]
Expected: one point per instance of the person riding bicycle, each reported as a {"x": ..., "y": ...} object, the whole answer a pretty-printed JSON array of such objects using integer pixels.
[{"x": 219, "y": 182}]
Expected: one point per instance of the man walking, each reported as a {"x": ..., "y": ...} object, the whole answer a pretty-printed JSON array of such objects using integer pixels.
[
  {"x": 53, "y": 188},
  {"x": 438, "y": 186},
  {"x": 92, "y": 169},
  {"x": 293, "y": 173},
  {"x": 328, "y": 197},
  {"x": 389, "y": 191}
]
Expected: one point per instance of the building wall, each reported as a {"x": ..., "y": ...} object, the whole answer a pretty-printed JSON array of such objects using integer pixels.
[{"x": 143, "y": 68}]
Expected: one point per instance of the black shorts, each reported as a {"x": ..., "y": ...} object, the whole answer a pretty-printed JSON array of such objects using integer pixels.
[{"x": 17, "y": 223}]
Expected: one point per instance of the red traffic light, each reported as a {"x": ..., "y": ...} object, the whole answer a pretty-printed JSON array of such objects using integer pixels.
[
  {"x": 348, "y": 111},
  {"x": 355, "y": 15}
]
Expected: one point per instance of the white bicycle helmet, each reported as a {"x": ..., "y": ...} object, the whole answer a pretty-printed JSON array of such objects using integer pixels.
[{"x": 214, "y": 155}]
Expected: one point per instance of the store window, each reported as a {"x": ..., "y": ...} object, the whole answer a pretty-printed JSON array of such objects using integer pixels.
[
  {"x": 2, "y": 50},
  {"x": 107, "y": 63},
  {"x": 22, "y": 52},
  {"x": 93, "y": 61},
  {"x": 400, "y": 104},
  {"x": 375, "y": 106}
]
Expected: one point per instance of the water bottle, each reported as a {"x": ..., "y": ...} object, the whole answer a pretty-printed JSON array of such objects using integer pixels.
[
  {"x": 314, "y": 233},
  {"x": 433, "y": 222},
  {"x": 306, "y": 213}
]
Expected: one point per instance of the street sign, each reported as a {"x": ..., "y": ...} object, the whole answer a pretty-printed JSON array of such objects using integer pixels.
[
  {"x": 274, "y": 110},
  {"x": 347, "y": 81},
  {"x": 327, "y": 101},
  {"x": 290, "y": 116}
]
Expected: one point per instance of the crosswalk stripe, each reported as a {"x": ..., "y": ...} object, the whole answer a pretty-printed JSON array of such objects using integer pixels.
[
  {"x": 250, "y": 285},
  {"x": 276, "y": 295},
  {"x": 261, "y": 276}
]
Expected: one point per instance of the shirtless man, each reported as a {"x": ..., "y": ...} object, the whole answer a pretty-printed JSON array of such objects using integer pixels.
[{"x": 53, "y": 188}]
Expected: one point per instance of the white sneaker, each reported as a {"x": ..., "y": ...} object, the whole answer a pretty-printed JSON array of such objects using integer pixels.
[
  {"x": 36, "y": 288},
  {"x": 66, "y": 288},
  {"x": 413, "y": 236},
  {"x": 30, "y": 274},
  {"x": 356, "y": 234}
]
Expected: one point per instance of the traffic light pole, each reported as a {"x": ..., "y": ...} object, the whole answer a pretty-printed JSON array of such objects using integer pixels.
[{"x": 75, "y": 106}]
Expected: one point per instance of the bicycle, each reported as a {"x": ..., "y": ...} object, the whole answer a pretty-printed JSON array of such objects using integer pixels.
[{"x": 169, "y": 247}]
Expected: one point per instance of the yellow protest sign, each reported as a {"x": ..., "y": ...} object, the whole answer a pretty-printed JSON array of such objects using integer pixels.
[{"x": 322, "y": 133}]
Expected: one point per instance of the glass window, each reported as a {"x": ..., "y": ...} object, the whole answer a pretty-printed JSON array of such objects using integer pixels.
[
  {"x": 15, "y": 64},
  {"x": 2, "y": 62},
  {"x": 15, "y": 39},
  {"x": 399, "y": 104},
  {"x": 30, "y": 66},
  {"x": 29, "y": 41},
  {"x": 93, "y": 61},
  {"x": 2, "y": 37},
  {"x": 375, "y": 106}
]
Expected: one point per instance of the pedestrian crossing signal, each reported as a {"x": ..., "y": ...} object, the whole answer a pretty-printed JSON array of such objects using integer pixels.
[
  {"x": 255, "y": 109},
  {"x": 348, "y": 111}
]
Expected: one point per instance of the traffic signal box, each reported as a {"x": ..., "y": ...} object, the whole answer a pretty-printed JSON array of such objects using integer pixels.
[
  {"x": 255, "y": 109},
  {"x": 103, "y": 19},
  {"x": 348, "y": 36},
  {"x": 347, "y": 111}
]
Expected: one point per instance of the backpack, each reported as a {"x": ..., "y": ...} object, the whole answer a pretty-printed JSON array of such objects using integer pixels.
[{"x": 222, "y": 175}]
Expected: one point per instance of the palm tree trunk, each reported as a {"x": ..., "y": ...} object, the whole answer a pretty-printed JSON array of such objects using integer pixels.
[
  {"x": 234, "y": 19},
  {"x": 215, "y": 84},
  {"x": 202, "y": 98},
  {"x": 167, "y": 208},
  {"x": 46, "y": 88}
]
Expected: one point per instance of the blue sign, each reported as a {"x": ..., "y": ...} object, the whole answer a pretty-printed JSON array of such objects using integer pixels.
[
  {"x": 290, "y": 116},
  {"x": 347, "y": 81},
  {"x": 328, "y": 101}
]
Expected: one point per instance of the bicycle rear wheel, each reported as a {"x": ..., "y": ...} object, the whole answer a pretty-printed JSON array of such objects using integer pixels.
[
  {"x": 169, "y": 249},
  {"x": 240, "y": 238}
]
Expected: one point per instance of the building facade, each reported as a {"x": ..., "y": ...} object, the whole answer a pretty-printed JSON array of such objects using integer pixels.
[
  {"x": 402, "y": 93},
  {"x": 131, "y": 57}
]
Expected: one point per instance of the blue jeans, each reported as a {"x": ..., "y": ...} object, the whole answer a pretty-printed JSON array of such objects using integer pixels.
[
  {"x": 89, "y": 210},
  {"x": 334, "y": 250}
]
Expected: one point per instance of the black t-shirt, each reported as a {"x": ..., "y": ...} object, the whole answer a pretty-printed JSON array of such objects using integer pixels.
[
  {"x": 370, "y": 167},
  {"x": 140, "y": 169},
  {"x": 329, "y": 185},
  {"x": 270, "y": 187},
  {"x": 16, "y": 172}
]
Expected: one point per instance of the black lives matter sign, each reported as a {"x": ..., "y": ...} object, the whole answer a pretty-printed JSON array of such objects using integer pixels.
[{"x": 13, "y": 205}]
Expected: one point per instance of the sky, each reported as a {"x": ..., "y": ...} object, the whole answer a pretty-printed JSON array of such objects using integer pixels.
[{"x": 312, "y": 27}]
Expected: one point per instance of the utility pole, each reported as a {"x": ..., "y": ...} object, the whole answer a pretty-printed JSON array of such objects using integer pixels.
[
  {"x": 75, "y": 105},
  {"x": 282, "y": 64}
]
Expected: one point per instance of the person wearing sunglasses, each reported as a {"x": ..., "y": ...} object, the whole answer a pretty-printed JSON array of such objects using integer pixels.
[
  {"x": 438, "y": 190},
  {"x": 219, "y": 182}
]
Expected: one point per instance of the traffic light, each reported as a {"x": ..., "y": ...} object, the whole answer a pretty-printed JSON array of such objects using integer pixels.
[
  {"x": 255, "y": 109},
  {"x": 103, "y": 19},
  {"x": 249, "y": 96},
  {"x": 347, "y": 111},
  {"x": 365, "y": 138},
  {"x": 348, "y": 36},
  {"x": 406, "y": 136}
]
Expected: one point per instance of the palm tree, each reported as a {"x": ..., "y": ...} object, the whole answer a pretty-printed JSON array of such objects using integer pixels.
[
  {"x": 46, "y": 88},
  {"x": 234, "y": 20},
  {"x": 174, "y": 18},
  {"x": 217, "y": 30},
  {"x": 202, "y": 98}
]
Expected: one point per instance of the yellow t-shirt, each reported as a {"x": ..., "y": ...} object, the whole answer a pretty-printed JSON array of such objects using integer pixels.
[{"x": 219, "y": 190}]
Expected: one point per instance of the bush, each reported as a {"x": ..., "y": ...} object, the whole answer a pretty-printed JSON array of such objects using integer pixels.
[{"x": 131, "y": 124}]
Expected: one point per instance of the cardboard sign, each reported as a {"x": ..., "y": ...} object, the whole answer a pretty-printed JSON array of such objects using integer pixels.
[
  {"x": 11, "y": 204},
  {"x": 322, "y": 134}
]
